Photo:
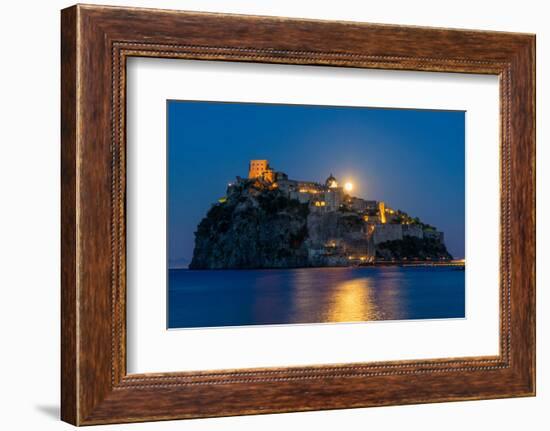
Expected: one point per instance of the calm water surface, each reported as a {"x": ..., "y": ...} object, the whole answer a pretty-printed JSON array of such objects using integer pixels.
[{"x": 312, "y": 295}]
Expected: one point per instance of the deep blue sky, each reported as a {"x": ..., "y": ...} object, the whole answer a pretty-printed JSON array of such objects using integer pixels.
[{"x": 411, "y": 159}]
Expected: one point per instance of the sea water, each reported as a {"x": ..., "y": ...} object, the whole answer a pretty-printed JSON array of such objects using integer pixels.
[{"x": 214, "y": 298}]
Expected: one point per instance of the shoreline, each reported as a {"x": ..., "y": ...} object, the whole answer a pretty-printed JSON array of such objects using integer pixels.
[{"x": 459, "y": 264}]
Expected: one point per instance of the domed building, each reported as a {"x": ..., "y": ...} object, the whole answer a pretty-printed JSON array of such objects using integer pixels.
[
  {"x": 331, "y": 182},
  {"x": 334, "y": 194}
]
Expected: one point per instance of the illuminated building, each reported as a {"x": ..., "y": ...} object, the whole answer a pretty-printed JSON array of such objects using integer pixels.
[
  {"x": 331, "y": 182},
  {"x": 261, "y": 169},
  {"x": 322, "y": 197},
  {"x": 382, "y": 211}
]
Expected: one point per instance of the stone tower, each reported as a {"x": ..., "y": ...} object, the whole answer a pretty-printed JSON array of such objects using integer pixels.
[{"x": 260, "y": 169}]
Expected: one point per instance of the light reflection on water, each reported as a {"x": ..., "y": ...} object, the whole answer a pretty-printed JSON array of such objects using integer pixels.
[
  {"x": 346, "y": 294},
  {"x": 352, "y": 301},
  {"x": 313, "y": 295}
]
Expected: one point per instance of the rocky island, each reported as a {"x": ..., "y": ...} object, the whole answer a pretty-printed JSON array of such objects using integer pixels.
[{"x": 270, "y": 221}]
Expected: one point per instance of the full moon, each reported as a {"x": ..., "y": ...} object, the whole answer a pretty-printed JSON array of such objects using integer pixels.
[{"x": 348, "y": 187}]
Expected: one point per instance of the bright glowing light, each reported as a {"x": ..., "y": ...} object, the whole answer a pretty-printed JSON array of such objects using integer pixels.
[
  {"x": 352, "y": 301},
  {"x": 348, "y": 187}
]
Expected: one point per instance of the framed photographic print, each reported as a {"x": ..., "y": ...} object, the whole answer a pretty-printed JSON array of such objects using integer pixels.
[{"x": 319, "y": 214}]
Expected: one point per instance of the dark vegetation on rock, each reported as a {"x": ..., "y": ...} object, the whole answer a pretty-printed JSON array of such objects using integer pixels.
[{"x": 412, "y": 248}]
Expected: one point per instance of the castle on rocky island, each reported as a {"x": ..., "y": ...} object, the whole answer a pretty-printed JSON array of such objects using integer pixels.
[
  {"x": 383, "y": 222},
  {"x": 268, "y": 220},
  {"x": 329, "y": 196}
]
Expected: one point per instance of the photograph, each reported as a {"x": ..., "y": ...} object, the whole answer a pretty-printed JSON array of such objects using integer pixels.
[{"x": 284, "y": 214}]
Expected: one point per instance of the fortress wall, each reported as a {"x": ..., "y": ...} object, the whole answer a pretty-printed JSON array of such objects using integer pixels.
[
  {"x": 413, "y": 230},
  {"x": 387, "y": 232},
  {"x": 304, "y": 198}
]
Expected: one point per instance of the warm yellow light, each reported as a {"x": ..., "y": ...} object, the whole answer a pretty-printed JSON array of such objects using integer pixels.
[
  {"x": 382, "y": 210},
  {"x": 348, "y": 187}
]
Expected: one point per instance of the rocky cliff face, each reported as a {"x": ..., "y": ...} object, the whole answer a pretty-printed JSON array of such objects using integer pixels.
[
  {"x": 260, "y": 227},
  {"x": 335, "y": 236},
  {"x": 253, "y": 228}
]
